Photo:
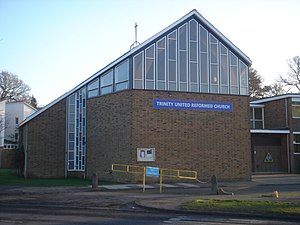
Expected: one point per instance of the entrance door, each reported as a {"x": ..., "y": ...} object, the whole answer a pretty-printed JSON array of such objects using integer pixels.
[{"x": 266, "y": 159}]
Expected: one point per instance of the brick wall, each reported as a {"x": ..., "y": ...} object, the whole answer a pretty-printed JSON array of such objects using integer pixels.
[
  {"x": 209, "y": 142},
  {"x": 275, "y": 114},
  {"x": 46, "y": 142},
  {"x": 8, "y": 158},
  {"x": 109, "y": 124}
]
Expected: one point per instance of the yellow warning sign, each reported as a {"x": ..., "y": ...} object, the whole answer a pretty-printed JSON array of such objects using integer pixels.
[{"x": 268, "y": 158}]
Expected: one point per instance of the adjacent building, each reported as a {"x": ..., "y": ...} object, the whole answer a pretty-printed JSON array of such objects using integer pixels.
[
  {"x": 11, "y": 114},
  {"x": 275, "y": 134},
  {"x": 179, "y": 100}
]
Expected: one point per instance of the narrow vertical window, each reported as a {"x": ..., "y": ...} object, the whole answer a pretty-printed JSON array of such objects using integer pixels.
[
  {"x": 183, "y": 57},
  {"x": 76, "y": 130},
  {"x": 138, "y": 71},
  {"x": 150, "y": 67},
  {"x": 234, "y": 80},
  {"x": 193, "y": 56},
  {"x": 243, "y": 78},
  {"x": 203, "y": 60},
  {"x": 224, "y": 72},
  {"x": 161, "y": 64},
  {"x": 214, "y": 65},
  {"x": 172, "y": 61}
]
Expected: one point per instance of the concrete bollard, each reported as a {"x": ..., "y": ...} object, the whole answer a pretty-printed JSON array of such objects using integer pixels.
[
  {"x": 95, "y": 181},
  {"x": 214, "y": 185}
]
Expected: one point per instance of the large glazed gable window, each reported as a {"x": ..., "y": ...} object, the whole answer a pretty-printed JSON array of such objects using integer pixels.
[
  {"x": 190, "y": 58},
  {"x": 122, "y": 76}
]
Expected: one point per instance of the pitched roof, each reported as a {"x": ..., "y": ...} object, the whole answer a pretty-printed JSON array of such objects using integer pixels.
[{"x": 193, "y": 13}]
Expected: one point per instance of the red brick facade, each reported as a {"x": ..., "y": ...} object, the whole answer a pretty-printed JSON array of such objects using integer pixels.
[
  {"x": 46, "y": 138},
  {"x": 209, "y": 142}
]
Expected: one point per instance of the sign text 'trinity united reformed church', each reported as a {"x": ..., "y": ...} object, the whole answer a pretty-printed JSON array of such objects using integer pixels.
[{"x": 192, "y": 105}]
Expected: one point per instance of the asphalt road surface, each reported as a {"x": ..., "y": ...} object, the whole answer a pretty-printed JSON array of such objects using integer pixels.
[
  {"x": 66, "y": 206},
  {"x": 33, "y": 215}
]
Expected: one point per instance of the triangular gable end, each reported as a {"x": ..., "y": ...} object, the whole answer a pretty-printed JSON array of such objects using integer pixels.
[{"x": 194, "y": 14}]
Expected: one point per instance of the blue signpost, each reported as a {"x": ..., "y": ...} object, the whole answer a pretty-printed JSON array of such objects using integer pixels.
[{"x": 152, "y": 171}]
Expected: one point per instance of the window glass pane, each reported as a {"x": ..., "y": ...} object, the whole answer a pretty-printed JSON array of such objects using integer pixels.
[
  {"x": 204, "y": 68},
  {"x": 213, "y": 53},
  {"x": 182, "y": 38},
  {"x": 193, "y": 30},
  {"x": 203, "y": 39},
  {"x": 93, "y": 85},
  {"x": 233, "y": 59},
  {"x": 172, "y": 70},
  {"x": 122, "y": 86},
  {"x": 138, "y": 66},
  {"x": 122, "y": 72},
  {"x": 193, "y": 51},
  {"x": 161, "y": 43},
  {"x": 93, "y": 93},
  {"x": 234, "y": 79},
  {"x": 258, "y": 113},
  {"x": 243, "y": 74},
  {"x": 214, "y": 74},
  {"x": 172, "y": 49},
  {"x": 161, "y": 61},
  {"x": 296, "y": 111},
  {"x": 183, "y": 66},
  {"x": 150, "y": 52},
  {"x": 193, "y": 72},
  {"x": 224, "y": 69},
  {"x": 223, "y": 50},
  {"x": 106, "y": 90},
  {"x": 172, "y": 35},
  {"x": 150, "y": 69},
  {"x": 106, "y": 79}
]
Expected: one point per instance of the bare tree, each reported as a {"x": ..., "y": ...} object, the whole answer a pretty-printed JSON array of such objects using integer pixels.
[
  {"x": 12, "y": 88},
  {"x": 292, "y": 78}
]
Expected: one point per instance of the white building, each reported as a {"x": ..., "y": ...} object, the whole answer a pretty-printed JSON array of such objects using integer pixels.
[{"x": 11, "y": 114}]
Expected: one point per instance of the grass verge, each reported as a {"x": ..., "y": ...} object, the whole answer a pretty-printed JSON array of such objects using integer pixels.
[
  {"x": 9, "y": 177},
  {"x": 262, "y": 207}
]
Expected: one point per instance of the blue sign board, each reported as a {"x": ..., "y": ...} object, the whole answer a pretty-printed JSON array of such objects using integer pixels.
[
  {"x": 152, "y": 171},
  {"x": 192, "y": 105}
]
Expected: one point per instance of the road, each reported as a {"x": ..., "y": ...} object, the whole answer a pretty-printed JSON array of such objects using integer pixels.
[
  {"x": 34, "y": 215},
  {"x": 80, "y": 206}
]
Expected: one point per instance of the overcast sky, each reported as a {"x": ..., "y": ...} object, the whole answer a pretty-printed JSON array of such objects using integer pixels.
[{"x": 53, "y": 45}]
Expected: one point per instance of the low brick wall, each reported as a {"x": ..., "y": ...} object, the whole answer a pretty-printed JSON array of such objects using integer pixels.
[{"x": 7, "y": 158}]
